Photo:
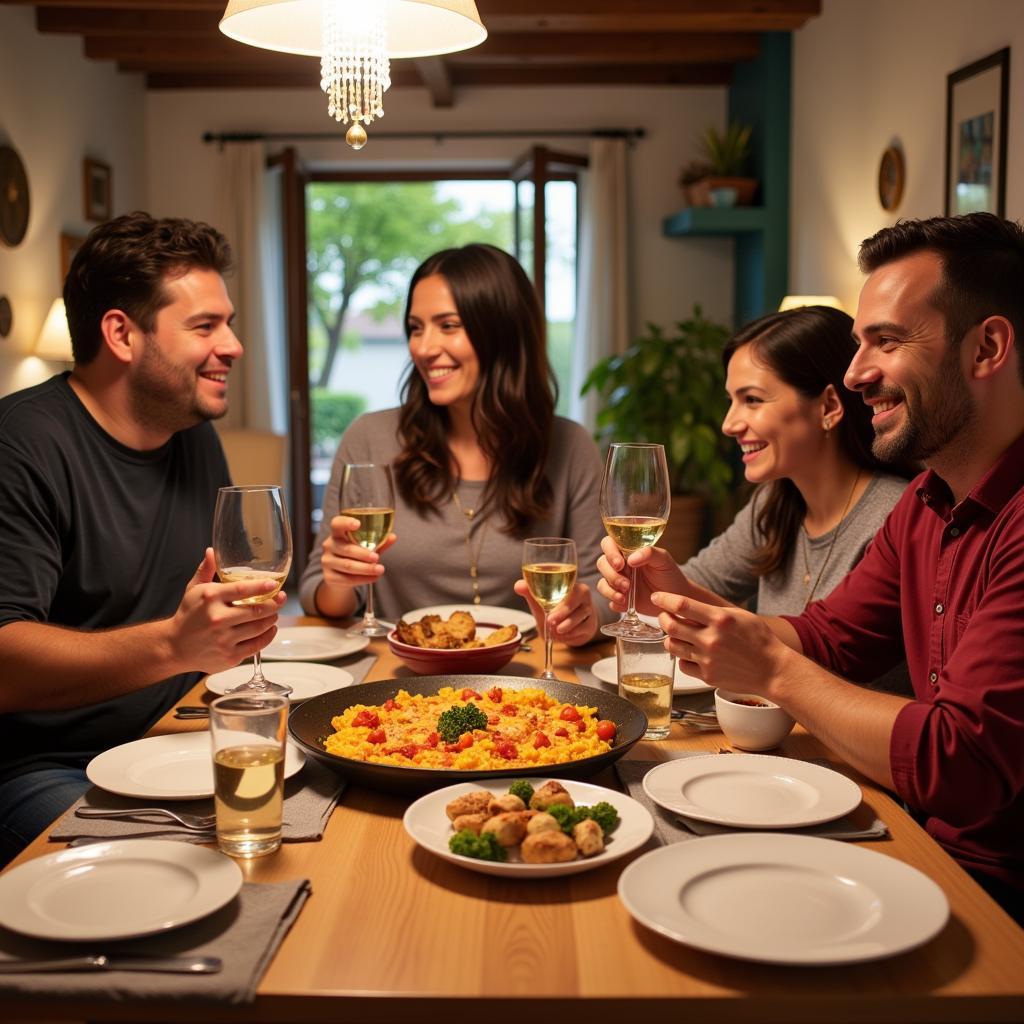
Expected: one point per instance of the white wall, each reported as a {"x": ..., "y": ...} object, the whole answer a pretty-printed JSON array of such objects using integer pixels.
[
  {"x": 57, "y": 108},
  {"x": 669, "y": 275},
  {"x": 867, "y": 74}
]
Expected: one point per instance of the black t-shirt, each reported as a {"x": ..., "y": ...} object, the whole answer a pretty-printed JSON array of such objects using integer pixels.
[{"x": 94, "y": 535}]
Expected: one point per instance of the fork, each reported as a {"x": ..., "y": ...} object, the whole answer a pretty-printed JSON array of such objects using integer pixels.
[{"x": 197, "y": 822}]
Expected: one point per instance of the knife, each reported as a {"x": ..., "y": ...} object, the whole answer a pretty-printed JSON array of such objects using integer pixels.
[{"x": 117, "y": 962}]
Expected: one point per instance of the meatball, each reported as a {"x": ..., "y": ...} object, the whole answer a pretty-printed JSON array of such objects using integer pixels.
[
  {"x": 542, "y": 822},
  {"x": 549, "y": 794},
  {"x": 588, "y": 837},
  {"x": 474, "y": 822},
  {"x": 506, "y": 802},
  {"x": 469, "y": 803},
  {"x": 508, "y": 828},
  {"x": 548, "y": 847}
]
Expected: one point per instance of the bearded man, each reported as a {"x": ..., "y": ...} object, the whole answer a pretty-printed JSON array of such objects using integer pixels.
[
  {"x": 108, "y": 480},
  {"x": 940, "y": 325}
]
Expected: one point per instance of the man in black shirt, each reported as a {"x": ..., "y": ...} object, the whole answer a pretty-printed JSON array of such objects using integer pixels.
[{"x": 108, "y": 480}]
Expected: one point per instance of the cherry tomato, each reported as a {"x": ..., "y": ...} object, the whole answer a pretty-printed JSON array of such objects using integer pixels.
[
  {"x": 561, "y": 732},
  {"x": 409, "y": 750},
  {"x": 451, "y": 748},
  {"x": 367, "y": 719},
  {"x": 467, "y": 694},
  {"x": 377, "y": 736},
  {"x": 569, "y": 714},
  {"x": 606, "y": 730},
  {"x": 392, "y": 705},
  {"x": 540, "y": 740},
  {"x": 493, "y": 719},
  {"x": 506, "y": 750},
  {"x": 509, "y": 709},
  {"x": 465, "y": 741},
  {"x": 495, "y": 693},
  {"x": 432, "y": 740},
  {"x": 581, "y": 725}
]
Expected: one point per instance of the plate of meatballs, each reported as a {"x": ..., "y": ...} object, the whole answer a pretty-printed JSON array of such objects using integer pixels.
[{"x": 535, "y": 828}]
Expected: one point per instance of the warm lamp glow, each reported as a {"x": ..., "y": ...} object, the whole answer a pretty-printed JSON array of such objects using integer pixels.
[
  {"x": 54, "y": 341},
  {"x": 354, "y": 39},
  {"x": 796, "y": 301}
]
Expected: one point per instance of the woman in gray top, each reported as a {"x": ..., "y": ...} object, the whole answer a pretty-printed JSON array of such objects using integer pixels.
[
  {"x": 806, "y": 442},
  {"x": 480, "y": 460}
]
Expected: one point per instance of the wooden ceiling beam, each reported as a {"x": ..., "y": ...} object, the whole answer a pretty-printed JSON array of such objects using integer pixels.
[
  {"x": 433, "y": 72},
  {"x": 106, "y": 22}
]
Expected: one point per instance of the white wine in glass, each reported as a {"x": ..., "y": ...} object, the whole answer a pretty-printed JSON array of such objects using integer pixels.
[
  {"x": 368, "y": 494},
  {"x": 549, "y": 568},
  {"x": 635, "y": 501},
  {"x": 253, "y": 541}
]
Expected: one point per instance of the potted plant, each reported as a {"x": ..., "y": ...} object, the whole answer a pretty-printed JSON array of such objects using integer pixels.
[
  {"x": 670, "y": 389},
  {"x": 724, "y": 155}
]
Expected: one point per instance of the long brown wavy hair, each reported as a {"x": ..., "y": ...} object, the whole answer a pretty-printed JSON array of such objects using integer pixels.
[
  {"x": 808, "y": 348},
  {"x": 513, "y": 408}
]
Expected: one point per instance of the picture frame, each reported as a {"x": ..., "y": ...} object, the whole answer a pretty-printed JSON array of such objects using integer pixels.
[
  {"x": 977, "y": 97},
  {"x": 96, "y": 190},
  {"x": 69, "y": 245}
]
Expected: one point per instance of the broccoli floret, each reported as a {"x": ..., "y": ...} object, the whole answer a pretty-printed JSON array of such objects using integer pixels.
[
  {"x": 483, "y": 847},
  {"x": 569, "y": 817},
  {"x": 522, "y": 789},
  {"x": 451, "y": 724}
]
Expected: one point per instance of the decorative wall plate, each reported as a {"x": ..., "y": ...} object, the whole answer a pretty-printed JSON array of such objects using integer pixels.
[
  {"x": 891, "y": 178},
  {"x": 6, "y": 316},
  {"x": 14, "y": 197}
]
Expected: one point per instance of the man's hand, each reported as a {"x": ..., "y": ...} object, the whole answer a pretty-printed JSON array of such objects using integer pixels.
[
  {"x": 573, "y": 621},
  {"x": 209, "y": 632},
  {"x": 655, "y": 570}
]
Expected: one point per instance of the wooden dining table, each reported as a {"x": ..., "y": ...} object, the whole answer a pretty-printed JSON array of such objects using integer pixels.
[{"x": 394, "y": 935}]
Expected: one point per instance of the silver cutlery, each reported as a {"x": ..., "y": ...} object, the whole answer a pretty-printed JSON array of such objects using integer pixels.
[
  {"x": 117, "y": 962},
  {"x": 697, "y": 717},
  {"x": 186, "y": 711},
  {"x": 184, "y": 837},
  {"x": 198, "y": 822}
]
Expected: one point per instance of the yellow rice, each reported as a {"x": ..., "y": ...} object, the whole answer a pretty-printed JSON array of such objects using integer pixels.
[{"x": 415, "y": 718}]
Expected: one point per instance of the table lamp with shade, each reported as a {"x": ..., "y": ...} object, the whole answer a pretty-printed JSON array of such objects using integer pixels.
[
  {"x": 796, "y": 301},
  {"x": 54, "y": 341}
]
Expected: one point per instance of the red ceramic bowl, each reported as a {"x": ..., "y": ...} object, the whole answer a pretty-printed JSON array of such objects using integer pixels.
[{"x": 473, "y": 661}]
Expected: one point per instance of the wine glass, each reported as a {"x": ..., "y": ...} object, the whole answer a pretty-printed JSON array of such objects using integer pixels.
[
  {"x": 549, "y": 568},
  {"x": 635, "y": 502},
  {"x": 368, "y": 494},
  {"x": 252, "y": 541}
]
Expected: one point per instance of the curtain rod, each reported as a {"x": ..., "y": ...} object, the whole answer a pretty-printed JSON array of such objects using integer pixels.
[{"x": 630, "y": 134}]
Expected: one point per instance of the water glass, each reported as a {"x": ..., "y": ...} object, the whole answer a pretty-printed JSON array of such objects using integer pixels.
[
  {"x": 646, "y": 673},
  {"x": 249, "y": 733}
]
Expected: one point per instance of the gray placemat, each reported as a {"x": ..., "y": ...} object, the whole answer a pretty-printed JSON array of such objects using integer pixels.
[
  {"x": 358, "y": 668},
  {"x": 674, "y": 828},
  {"x": 309, "y": 798},
  {"x": 245, "y": 935}
]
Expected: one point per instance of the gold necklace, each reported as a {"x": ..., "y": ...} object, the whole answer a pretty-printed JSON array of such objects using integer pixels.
[
  {"x": 474, "y": 559},
  {"x": 805, "y": 544}
]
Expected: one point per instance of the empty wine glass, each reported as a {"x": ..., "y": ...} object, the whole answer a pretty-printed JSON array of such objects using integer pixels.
[
  {"x": 635, "y": 503},
  {"x": 368, "y": 494},
  {"x": 549, "y": 568},
  {"x": 252, "y": 541}
]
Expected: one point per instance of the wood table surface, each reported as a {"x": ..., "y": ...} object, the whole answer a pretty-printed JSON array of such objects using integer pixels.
[{"x": 394, "y": 934}]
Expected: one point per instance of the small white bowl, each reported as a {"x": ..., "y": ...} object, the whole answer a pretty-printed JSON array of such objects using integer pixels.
[{"x": 757, "y": 725}]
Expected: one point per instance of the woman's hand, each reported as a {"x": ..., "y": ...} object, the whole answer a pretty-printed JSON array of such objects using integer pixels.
[
  {"x": 573, "y": 622},
  {"x": 656, "y": 570},
  {"x": 346, "y": 565}
]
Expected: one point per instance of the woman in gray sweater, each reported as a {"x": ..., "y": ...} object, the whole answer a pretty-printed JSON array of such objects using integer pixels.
[
  {"x": 806, "y": 443},
  {"x": 479, "y": 458}
]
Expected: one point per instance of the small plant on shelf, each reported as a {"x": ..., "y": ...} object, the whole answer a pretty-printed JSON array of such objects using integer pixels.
[{"x": 717, "y": 178}]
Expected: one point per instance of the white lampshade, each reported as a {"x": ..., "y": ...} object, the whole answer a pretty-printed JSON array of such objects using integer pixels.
[
  {"x": 415, "y": 28},
  {"x": 54, "y": 341},
  {"x": 796, "y": 301}
]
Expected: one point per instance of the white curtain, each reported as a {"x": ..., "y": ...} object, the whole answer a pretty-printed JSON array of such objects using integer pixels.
[
  {"x": 250, "y": 216},
  {"x": 602, "y": 304}
]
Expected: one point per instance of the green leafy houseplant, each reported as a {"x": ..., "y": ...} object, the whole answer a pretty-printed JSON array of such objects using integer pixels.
[
  {"x": 670, "y": 389},
  {"x": 726, "y": 152}
]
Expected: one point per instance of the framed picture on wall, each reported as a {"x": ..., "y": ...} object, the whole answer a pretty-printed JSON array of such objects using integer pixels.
[
  {"x": 69, "y": 245},
  {"x": 96, "y": 190},
  {"x": 976, "y": 122}
]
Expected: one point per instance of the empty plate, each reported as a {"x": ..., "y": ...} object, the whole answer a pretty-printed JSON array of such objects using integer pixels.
[
  {"x": 783, "y": 899},
  {"x": 116, "y": 890},
  {"x": 607, "y": 671},
  {"x": 312, "y": 643},
  {"x": 307, "y": 679}
]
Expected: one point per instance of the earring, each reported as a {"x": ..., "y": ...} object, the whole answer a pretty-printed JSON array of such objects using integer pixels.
[{"x": 827, "y": 425}]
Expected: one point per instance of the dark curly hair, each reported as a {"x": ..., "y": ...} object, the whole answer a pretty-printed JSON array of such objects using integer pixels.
[
  {"x": 124, "y": 263},
  {"x": 514, "y": 405}
]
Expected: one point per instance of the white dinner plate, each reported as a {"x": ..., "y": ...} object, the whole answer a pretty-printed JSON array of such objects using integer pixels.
[
  {"x": 116, "y": 890},
  {"x": 178, "y": 766},
  {"x": 608, "y": 672},
  {"x": 306, "y": 679},
  {"x": 751, "y": 790},
  {"x": 312, "y": 643},
  {"x": 783, "y": 899},
  {"x": 429, "y": 826},
  {"x": 481, "y": 613}
]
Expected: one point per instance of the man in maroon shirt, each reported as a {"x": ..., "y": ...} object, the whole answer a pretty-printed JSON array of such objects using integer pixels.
[{"x": 940, "y": 325}]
